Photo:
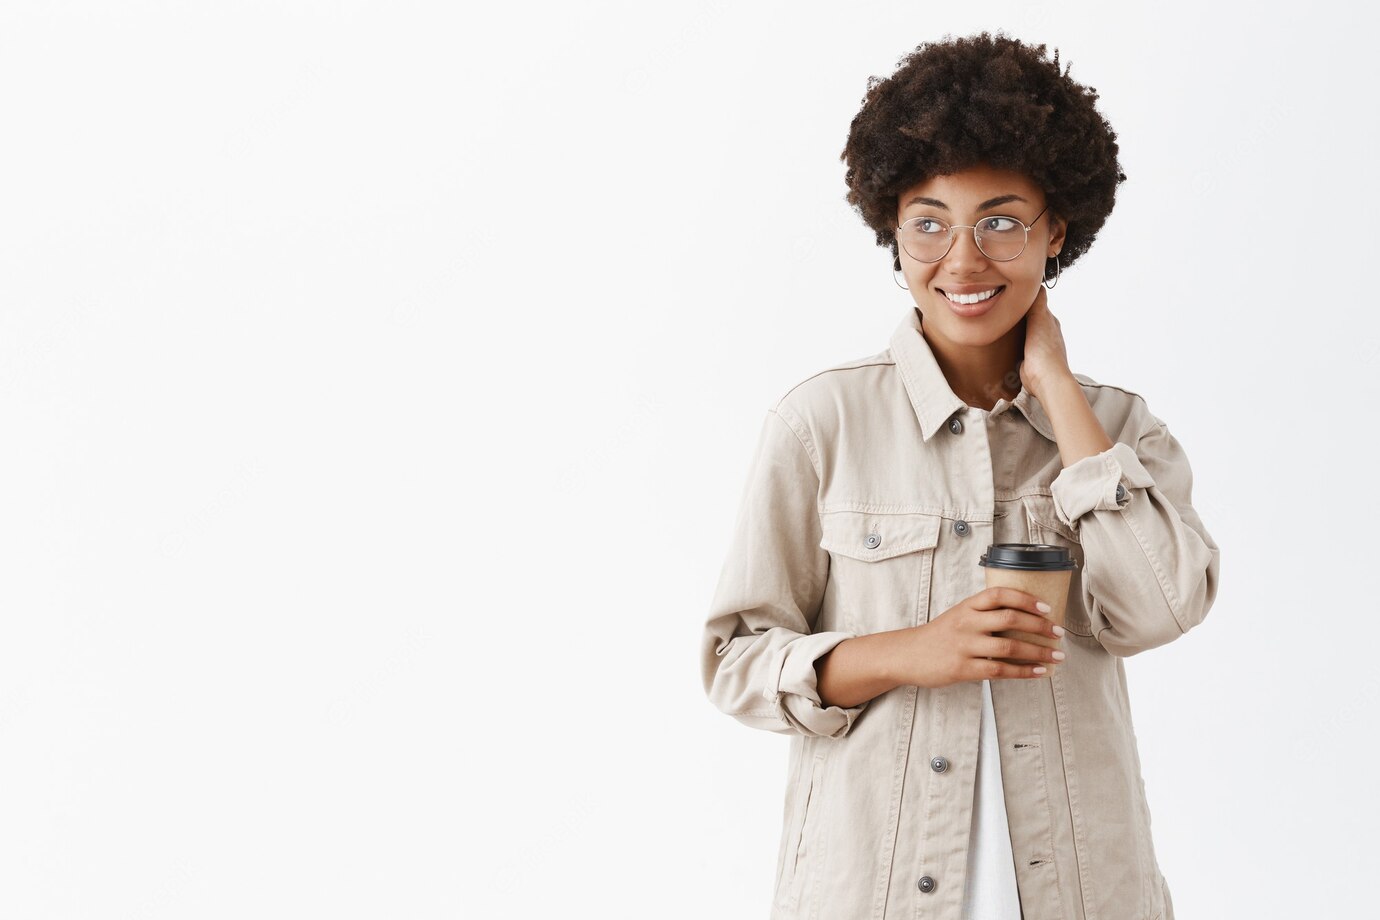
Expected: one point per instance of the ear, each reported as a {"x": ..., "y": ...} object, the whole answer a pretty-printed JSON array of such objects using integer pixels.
[{"x": 1058, "y": 229}]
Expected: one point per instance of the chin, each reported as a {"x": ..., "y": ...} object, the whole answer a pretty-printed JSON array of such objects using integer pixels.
[
  {"x": 976, "y": 332},
  {"x": 976, "y": 338}
]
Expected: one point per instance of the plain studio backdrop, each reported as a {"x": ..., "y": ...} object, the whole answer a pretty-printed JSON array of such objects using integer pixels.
[{"x": 379, "y": 382}]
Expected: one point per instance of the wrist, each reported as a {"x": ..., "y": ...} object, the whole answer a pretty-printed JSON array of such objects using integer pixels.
[
  {"x": 889, "y": 666},
  {"x": 1055, "y": 387}
]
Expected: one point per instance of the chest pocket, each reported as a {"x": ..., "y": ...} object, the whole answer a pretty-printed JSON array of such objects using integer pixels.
[
  {"x": 880, "y": 568},
  {"x": 1044, "y": 526}
]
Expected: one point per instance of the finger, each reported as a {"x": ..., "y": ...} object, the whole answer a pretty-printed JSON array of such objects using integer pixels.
[
  {"x": 1015, "y": 649},
  {"x": 1004, "y": 618},
  {"x": 990, "y": 669},
  {"x": 1003, "y": 596}
]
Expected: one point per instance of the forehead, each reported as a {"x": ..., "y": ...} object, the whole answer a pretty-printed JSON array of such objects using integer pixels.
[{"x": 965, "y": 191}]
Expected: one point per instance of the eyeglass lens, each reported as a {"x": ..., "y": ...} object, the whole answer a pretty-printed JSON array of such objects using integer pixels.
[{"x": 928, "y": 239}]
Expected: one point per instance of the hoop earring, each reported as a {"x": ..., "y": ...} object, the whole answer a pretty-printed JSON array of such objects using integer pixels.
[
  {"x": 894, "y": 273},
  {"x": 1050, "y": 287}
]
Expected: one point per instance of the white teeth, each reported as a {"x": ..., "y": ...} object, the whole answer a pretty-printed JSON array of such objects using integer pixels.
[{"x": 970, "y": 298}]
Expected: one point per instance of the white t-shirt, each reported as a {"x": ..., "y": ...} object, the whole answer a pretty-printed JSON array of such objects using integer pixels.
[{"x": 991, "y": 892}]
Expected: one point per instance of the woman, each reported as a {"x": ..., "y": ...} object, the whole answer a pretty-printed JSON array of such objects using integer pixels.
[{"x": 928, "y": 777}]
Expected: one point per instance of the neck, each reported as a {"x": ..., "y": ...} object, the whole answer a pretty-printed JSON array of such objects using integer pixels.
[{"x": 982, "y": 375}]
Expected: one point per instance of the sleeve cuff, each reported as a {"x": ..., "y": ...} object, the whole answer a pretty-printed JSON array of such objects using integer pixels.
[
  {"x": 1102, "y": 482},
  {"x": 792, "y": 687}
]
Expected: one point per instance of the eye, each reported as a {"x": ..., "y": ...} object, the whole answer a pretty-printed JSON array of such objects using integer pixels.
[
  {"x": 1000, "y": 224},
  {"x": 929, "y": 225}
]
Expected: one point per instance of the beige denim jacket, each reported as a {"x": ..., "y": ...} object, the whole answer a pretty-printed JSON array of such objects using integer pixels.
[{"x": 880, "y": 796}]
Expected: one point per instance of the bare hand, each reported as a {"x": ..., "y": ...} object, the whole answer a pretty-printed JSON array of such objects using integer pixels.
[
  {"x": 1046, "y": 358},
  {"x": 958, "y": 644}
]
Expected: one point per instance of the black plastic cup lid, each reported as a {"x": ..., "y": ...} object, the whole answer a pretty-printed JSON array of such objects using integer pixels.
[{"x": 1032, "y": 557}]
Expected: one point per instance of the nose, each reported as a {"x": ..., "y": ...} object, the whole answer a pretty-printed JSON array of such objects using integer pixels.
[{"x": 964, "y": 255}]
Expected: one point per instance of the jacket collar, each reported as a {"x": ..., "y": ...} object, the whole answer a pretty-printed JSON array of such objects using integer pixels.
[{"x": 929, "y": 390}]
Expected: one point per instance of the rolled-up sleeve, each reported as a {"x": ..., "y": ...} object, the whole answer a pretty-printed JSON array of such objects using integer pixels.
[
  {"x": 759, "y": 647},
  {"x": 1150, "y": 567}
]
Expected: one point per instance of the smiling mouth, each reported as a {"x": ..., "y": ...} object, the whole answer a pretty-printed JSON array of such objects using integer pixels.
[{"x": 968, "y": 303}]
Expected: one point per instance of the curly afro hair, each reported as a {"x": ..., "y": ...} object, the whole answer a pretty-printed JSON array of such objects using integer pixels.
[{"x": 983, "y": 100}]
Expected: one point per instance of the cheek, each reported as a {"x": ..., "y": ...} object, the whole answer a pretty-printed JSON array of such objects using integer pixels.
[{"x": 1032, "y": 270}]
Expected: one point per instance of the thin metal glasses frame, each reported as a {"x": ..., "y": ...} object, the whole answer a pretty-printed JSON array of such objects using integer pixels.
[{"x": 973, "y": 227}]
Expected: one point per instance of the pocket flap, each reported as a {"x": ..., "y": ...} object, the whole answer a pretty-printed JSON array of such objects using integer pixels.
[{"x": 873, "y": 537}]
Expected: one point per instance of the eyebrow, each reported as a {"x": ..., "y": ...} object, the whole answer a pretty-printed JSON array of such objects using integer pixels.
[{"x": 989, "y": 203}]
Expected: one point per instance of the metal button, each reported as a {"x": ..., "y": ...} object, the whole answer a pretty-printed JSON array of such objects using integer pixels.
[
  {"x": 939, "y": 764},
  {"x": 961, "y": 528},
  {"x": 926, "y": 883},
  {"x": 873, "y": 541},
  {"x": 955, "y": 425},
  {"x": 1120, "y": 492}
]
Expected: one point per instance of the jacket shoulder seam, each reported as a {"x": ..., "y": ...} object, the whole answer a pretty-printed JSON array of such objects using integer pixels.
[
  {"x": 797, "y": 425},
  {"x": 1154, "y": 421},
  {"x": 870, "y": 361},
  {"x": 1085, "y": 380},
  {"x": 790, "y": 421}
]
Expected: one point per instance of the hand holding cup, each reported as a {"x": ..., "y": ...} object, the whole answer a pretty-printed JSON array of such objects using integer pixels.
[{"x": 998, "y": 633}]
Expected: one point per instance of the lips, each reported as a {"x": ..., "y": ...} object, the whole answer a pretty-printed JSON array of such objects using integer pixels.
[
  {"x": 970, "y": 310},
  {"x": 973, "y": 289}
]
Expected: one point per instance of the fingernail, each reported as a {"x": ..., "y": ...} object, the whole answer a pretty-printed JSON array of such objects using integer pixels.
[
  {"x": 1058, "y": 630},
  {"x": 1043, "y": 607},
  {"x": 1058, "y": 656}
]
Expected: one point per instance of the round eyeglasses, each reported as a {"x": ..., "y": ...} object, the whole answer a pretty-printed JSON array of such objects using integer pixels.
[{"x": 1000, "y": 238}]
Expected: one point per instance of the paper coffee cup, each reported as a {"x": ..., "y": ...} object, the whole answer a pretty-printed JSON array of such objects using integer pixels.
[{"x": 1040, "y": 569}]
